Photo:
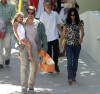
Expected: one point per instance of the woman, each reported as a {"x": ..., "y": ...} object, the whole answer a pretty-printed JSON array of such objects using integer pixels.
[{"x": 71, "y": 32}]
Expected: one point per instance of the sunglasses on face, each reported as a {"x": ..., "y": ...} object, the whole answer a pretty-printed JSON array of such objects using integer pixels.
[
  {"x": 72, "y": 15},
  {"x": 32, "y": 13}
]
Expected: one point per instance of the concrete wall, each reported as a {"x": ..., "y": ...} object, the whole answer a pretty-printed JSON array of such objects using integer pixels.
[
  {"x": 88, "y": 5},
  {"x": 92, "y": 30}
]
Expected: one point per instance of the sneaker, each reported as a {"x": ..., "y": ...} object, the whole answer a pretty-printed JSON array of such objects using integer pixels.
[
  {"x": 74, "y": 80},
  {"x": 31, "y": 89},
  {"x": 7, "y": 62},
  {"x": 24, "y": 89},
  {"x": 1, "y": 66},
  {"x": 57, "y": 69},
  {"x": 70, "y": 81}
]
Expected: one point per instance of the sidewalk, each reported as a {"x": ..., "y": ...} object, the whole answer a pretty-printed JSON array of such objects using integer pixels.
[{"x": 88, "y": 78}]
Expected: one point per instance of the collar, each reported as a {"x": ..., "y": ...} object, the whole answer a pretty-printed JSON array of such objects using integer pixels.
[
  {"x": 27, "y": 18},
  {"x": 48, "y": 13}
]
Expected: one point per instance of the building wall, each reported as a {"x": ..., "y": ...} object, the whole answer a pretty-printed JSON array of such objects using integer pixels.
[
  {"x": 88, "y": 5},
  {"x": 92, "y": 30}
]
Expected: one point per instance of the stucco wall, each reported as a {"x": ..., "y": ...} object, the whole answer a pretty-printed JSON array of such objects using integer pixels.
[{"x": 92, "y": 30}]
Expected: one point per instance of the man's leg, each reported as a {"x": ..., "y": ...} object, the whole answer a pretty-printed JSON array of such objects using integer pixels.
[
  {"x": 24, "y": 69},
  {"x": 33, "y": 70},
  {"x": 7, "y": 45},
  {"x": 1, "y": 53},
  {"x": 49, "y": 51},
  {"x": 56, "y": 54}
]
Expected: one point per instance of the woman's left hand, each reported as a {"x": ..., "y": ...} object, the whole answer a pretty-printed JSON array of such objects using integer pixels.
[{"x": 80, "y": 41}]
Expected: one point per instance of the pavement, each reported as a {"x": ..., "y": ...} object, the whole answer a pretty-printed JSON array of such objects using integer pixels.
[{"x": 88, "y": 77}]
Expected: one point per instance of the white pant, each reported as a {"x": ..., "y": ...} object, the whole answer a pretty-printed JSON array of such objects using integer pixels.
[
  {"x": 25, "y": 64},
  {"x": 5, "y": 43}
]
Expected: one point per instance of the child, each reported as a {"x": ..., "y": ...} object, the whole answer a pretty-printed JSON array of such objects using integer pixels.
[{"x": 20, "y": 32}]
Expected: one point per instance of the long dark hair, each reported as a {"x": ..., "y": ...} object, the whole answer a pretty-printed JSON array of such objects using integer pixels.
[
  {"x": 77, "y": 6},
  {"x": 69, "y": 20}
]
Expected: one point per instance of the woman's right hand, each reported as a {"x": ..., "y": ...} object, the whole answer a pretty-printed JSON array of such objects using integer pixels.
[{"x": 80, "y": 41}]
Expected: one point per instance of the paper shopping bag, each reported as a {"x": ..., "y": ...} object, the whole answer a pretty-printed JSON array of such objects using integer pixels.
[{"x": 45, "y": 62}]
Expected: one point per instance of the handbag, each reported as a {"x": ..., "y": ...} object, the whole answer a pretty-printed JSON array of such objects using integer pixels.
[
  {"x": 2, "y": 29},
  {"x": 2, "y": 35}
]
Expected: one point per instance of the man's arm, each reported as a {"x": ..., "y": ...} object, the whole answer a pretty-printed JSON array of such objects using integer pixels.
[{"x": 44, "y": 38}]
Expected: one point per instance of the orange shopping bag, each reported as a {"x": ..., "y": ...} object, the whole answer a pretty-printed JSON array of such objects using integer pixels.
[{"x": 45, "y": 62}]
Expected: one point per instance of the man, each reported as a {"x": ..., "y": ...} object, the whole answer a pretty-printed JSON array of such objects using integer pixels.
[
  {"x": 58, "y": 5},
  {"x": 38, "y": 4},
  {"x": 51, "y": 21},
  {"x": 25, "y": 4},
  {"x": 7, "y": 12},
  {"x": 64, "y": 11},
  {"x": 35, "y": 33},
  {"x": 40, "y": 9}
]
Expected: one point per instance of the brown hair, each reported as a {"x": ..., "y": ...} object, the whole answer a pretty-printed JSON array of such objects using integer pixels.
[
  {"x": 46, "y": 1},
  {"x": 31, "y": 8}
]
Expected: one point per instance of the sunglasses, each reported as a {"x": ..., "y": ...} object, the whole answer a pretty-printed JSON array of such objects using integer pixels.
[
  {"x": 72, "y": 15},
  {"x": 32, "y": 13}
]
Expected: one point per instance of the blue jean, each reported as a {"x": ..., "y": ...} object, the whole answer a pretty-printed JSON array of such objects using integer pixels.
[{"x": 72, "y": 53}]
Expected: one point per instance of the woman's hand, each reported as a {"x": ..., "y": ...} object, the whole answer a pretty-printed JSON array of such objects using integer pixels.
[
  {"x": 60, "y": 45},
  {"x": 80, "y": 40}
]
